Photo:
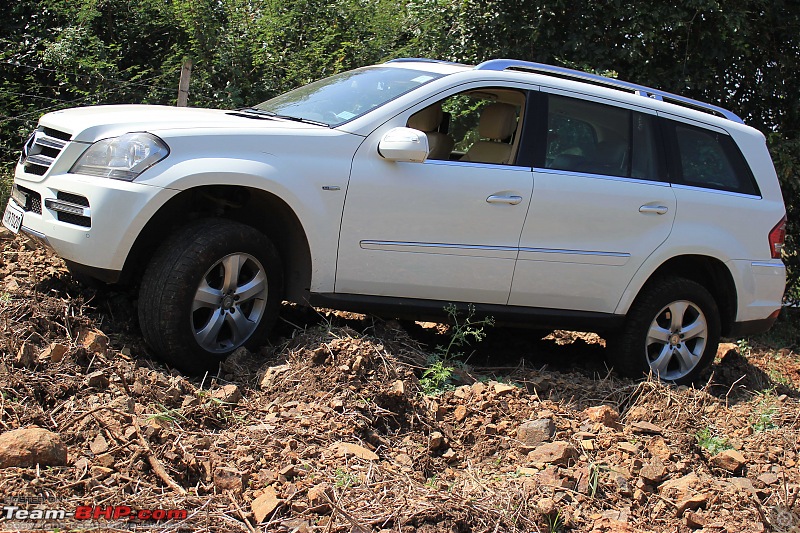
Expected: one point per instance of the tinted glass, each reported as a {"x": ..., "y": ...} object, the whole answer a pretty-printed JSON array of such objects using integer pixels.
[
  {"x": 711, "y": 159},
  {"x": 601, "y": 139}
]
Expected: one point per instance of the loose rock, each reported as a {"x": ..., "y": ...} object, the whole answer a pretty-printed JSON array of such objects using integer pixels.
[
  {"x": 730, "y": 460},
  {"x": 26, "y": 355},
  {"x": 53, "y": 353},
  {"x": 653, "y": 473},
  {"x": 229, "y": 479},
  {"x": 227, "y": 394},
  {"x": 319, "y": 498},
  {"x": 344, "y": 449},
  {"x": 558, "y": 452},
  {"x": 265, "y": 505},
  {"x": 534, "y": 432},
  {"x": 603, "y": 414},
  {"x": 31, "y": 446}
]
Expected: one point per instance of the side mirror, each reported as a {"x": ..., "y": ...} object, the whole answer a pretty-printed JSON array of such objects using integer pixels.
[{"x": 404, "y": 144}]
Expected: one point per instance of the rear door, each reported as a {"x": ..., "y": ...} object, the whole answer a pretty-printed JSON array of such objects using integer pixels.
[{"x": 599, "y": 208}]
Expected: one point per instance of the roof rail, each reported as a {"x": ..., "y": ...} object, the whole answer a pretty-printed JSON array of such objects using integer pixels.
[{"x": 641, "y": 90}]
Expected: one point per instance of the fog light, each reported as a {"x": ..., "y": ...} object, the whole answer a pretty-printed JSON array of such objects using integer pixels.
[{"x": 66, "y": 207}]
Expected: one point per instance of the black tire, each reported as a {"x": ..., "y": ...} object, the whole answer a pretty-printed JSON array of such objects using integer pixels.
[
  {"x": 220, "y": 276},
  {"x": 671, "y": 331}
]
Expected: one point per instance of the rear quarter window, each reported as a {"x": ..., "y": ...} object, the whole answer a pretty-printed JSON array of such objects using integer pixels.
[{"x": 711, "y": 160}]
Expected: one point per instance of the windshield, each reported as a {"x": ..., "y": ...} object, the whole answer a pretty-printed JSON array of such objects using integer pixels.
[{"x": 345, "y": 96}]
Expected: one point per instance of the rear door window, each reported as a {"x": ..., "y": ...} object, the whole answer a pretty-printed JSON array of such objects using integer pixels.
[{"x": 594, "y": 138}]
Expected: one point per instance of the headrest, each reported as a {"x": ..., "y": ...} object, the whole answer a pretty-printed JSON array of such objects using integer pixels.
[
  {"x": 428, "y": 119},
  {"x": 498, "y": 121}
]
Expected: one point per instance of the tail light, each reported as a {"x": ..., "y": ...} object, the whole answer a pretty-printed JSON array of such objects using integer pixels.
[{"x": 776, "y": 238}]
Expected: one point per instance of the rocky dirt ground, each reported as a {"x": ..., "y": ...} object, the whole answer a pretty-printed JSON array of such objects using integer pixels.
[{"x": 327, "y": 428}]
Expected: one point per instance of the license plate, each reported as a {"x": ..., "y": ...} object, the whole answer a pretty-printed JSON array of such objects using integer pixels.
[{"x": 12, "y": 218}]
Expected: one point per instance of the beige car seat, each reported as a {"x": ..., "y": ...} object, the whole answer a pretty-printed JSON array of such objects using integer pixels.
[
  {"x": 498, "y": 122},
  {"x": 428, "y": 120}
]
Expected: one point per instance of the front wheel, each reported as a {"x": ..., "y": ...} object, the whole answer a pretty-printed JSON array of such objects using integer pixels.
[
  {"x": 213, "y": 286},
  {"x": 672, "y": 331}
]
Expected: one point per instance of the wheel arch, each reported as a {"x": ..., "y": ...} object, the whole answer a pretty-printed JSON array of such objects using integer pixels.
[
  {"x": 255, "y": 207},
  {"x": 709, "y": 272}
]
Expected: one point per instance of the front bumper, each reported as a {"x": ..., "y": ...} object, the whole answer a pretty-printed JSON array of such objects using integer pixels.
[{"x": 117, "y": 210}]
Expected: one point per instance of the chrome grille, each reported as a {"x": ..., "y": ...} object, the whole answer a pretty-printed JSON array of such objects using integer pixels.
[{"x": 41, "y": 149}]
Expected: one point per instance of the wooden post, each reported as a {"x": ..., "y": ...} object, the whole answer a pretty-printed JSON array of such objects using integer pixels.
[{"x": 183, "y": 85}]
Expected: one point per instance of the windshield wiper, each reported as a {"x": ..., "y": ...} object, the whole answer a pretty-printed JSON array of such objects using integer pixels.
[
  {"x": 272, "y": 114},
  {"x": 299, "y": 119}
]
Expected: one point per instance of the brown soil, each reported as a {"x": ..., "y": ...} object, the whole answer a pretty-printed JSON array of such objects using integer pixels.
[{"x": 327, "y": 429}]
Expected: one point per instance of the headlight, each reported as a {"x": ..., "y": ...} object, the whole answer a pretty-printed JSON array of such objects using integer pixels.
[{"x": 123, "y": 157}]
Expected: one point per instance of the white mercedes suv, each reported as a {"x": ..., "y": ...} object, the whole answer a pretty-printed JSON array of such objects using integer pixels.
[{"x": 541, "y": 195}]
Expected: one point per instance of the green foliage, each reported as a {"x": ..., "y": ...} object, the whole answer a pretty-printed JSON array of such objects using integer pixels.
[
  {"x": 343, "y": 478},
  {"x": 6, "y": 180},
  {"x": 714, "y": 444},
  {"x": 555, "y": 523},
  {"x": 743, "y": 345},
  {"x": 595, "y": 470},
  {"x": 763, "y": 417},
  {"x": 463, "y": 332},
  {"x": 438, "y": 377},
  {"x": 165, "y": 414}
]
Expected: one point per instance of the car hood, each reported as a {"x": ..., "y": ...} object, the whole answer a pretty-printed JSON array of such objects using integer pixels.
[{"x": 89, "y": 124}]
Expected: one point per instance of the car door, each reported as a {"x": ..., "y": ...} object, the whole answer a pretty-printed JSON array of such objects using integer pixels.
[
  {"x": 599, "y": 207},
  {"x": 439, "y": 230}
]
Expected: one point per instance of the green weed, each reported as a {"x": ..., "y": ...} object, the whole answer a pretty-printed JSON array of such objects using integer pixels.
[
  {"x": 166, "y": 414},
  {"x": 344, "y": 479},
  {"x": 438, "y": 376},
  {"x": 708, "y": 441},
  {"x": 555, "y": 523},
  {"x": 763, "y": 417},
  {"x": 744, "y": 347}
]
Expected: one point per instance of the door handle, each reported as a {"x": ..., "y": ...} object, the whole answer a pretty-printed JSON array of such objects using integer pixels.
[
  {"x": 503, "y": 199},
  {"x": 657, "y": 209}
]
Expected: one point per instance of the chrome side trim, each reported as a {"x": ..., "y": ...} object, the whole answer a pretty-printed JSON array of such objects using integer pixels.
[
  {"x": 366, "y": 244},
  {"x": 574, "y": 256},
  {"x": 473, "y": 250},
  {"x": 559, "y": 172},
  {"x": 716, "y": 191},
  {"x": 504, "y": 252},
  {"x": 576, "y": 252}
]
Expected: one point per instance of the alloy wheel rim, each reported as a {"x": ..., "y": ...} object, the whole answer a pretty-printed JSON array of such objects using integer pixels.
[
  {"x": 676, "y": 340},
  {"x": 229, "y": 303}
]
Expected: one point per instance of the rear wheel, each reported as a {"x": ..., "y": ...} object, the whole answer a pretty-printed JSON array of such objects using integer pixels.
[
  {"x": 672, "y": 331},
  {"x": 212, "y": 287}
]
